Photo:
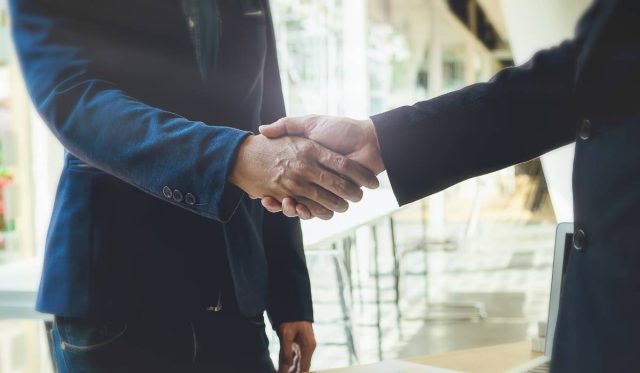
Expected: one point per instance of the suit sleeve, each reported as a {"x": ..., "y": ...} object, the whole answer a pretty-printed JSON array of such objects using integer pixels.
[
  {"x": 520, "y": 113},
  {"x": 106, "y": 128},
  {"x": 289, "y": 285}
]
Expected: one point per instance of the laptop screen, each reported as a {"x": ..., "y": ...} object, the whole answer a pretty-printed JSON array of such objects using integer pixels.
[
  {"x": 562, "y": 252},
  {"x": 568, "y": 245}
]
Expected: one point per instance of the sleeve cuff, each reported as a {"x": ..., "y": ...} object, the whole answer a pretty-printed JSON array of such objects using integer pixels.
[
  {"x": 300, "y": 312},
  {"x": 389, "y": 126},
  {"x": 225, "y": 203}
]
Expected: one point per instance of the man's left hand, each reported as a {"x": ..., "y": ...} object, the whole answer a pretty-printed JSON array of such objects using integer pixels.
[{"x": 300, "y": 332}]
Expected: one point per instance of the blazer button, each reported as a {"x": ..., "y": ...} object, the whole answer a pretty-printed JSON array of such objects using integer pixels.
[
  {"x": 177, "y": 195},
  {"x": 585, "y": 129},
  {"x": 190, "y": 199},
  {"x": 167, "y": 192},
  {"x": 579, "y": 239}
]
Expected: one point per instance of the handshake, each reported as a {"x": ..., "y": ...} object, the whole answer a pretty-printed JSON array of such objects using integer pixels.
[{"x": 309, "y": 166}]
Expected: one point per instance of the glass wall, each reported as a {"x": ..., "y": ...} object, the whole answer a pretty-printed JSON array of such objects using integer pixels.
[
  {"x": 22, "y": 341},
  {"x": 363, "y": 57},
  {"x": 358, "y": 58},
  {"x": 16, "y": 215},
  {"x": 311, "y": 44}
]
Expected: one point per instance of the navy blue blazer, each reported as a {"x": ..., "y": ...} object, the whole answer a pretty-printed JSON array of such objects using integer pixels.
[
  {"x": 584, "y": 90},
  {"x": 145, "y": 220}
]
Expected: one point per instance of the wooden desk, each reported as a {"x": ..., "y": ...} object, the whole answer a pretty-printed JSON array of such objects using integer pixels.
[{"x": 494, "y": 359}]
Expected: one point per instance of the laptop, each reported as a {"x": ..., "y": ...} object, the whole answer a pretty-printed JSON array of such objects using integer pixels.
[{"x": 562, "y": 250}]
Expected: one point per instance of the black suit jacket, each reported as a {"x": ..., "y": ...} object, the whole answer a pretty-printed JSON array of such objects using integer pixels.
[
  {"x": 145, "y": 222},
  {"x": 583, "y": 90}
]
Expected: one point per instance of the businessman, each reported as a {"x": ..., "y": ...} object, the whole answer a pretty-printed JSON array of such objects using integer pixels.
[
  {"x": 584, "y": 90},
  {"x": 155, "y": 259}
]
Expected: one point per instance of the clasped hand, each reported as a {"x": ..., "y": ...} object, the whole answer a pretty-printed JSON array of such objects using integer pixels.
[
  {"x": 294, "y": 167},
  {"x": 309, "y": 166}
]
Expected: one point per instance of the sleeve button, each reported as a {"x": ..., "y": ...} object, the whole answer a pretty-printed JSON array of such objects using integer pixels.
[
  {"x": 166, "y": 191},
  {"x": 190, "y": 199},
  {"x": 585, "y": 129},
  {"x": 177, "y": 195},
  {"x": 579, "y": 240}
]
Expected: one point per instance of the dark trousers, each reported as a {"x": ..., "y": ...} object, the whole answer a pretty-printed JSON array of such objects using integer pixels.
[{"x": 211, "y": 342}]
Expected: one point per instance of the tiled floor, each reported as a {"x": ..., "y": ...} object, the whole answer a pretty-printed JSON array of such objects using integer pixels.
[{"x": 504, "y": 266}]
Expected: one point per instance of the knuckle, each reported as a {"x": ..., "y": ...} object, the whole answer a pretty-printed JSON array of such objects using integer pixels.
[
  {"x": 316, "y": 210},
  {"x": 314, "y": 194},
  {"x": 339, "y": 161},
  {"x": 327, "y": 216},
  {"x": 307, "y": 148},
  {"x": 285, "y": 124},
  {"x": 301, "y": 169},
  {"x": 297, "y": 167},
  {"x": 340, "y": 204},
  {"x": 319, "y": 211},
  {"x": 342, "y": 186},
  {"x": 287, "y": 186},
  {"x": 322, "y": 177}
]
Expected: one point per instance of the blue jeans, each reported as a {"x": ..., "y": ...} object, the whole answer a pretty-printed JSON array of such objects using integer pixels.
[{"x": 225, "y": 343}]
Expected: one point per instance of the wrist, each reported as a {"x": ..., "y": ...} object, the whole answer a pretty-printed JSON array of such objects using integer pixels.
[
  {"x": 373, "y": 143},
  {"x": 238, "y": 175},
  {"x": 370, "y": 133}
]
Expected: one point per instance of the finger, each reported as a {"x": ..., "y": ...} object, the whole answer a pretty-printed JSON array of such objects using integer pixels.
[
  {"x": 289, "y": 207},
  {"x": 347, "y": 168},
  {"x": 306, "y": 352},
  {"x": 325, "y": 198},
  {"x": 337, "y": 185},
  {"x": 284, "y": 126},
  {"x": 271, "y": 204},
  {"x": 286, "y": 353},
  {"x": 303, "y": 212},
  {"x": 307, "y": 344},
  {"x": 314, "y": 209}
]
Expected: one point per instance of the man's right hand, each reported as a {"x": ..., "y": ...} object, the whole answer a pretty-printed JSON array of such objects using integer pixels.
[
  {"x": 355, "y": 139},
  {"x": 302, "y": 169}
]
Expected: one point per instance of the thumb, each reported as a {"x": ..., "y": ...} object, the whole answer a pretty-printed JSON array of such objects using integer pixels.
[{"x": 285, "y": 126}]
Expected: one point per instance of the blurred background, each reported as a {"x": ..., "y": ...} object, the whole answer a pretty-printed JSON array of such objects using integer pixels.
[{"x": 467, "y": 267}]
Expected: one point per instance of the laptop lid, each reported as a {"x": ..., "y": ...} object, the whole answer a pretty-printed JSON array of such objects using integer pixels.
[{"x": 562, "y": 250}]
